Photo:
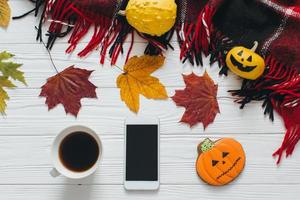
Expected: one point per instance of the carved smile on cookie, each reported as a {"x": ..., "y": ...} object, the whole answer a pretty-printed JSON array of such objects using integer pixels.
[
  {"x": 228, "y": 170},
  {"x": 245, "y": 62},
  {"x": 240, "y": 66},
  {"x": 220, "y": 162}
]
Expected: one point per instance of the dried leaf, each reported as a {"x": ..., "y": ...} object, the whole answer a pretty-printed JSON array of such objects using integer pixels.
[
  {"x": 4, "y": 82},
  {"x": 136, "y": 80},
  {"x": 4, "y": 13},
  {"x": 68, "y": 88},
  {"x": 199, "y": 100},
  {"x": 8, "y": 70}
]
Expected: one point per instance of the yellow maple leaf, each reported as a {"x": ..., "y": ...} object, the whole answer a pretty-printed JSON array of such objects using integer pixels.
[
  {"x": 137, "y": 80},
  {"x": 4, "y": 13}
]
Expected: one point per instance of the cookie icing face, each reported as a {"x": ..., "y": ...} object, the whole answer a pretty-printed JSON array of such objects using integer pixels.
[
  {"x": 220, "y": 162},
  {"x": 245, "y": 62}
]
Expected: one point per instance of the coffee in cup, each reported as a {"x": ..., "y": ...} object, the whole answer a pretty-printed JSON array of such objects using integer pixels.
[{"x": 76, "y": 152}]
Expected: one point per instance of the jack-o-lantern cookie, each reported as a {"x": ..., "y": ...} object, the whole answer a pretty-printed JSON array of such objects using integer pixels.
[
  {"x": 220, "y": 162},
  {"x": 245, "y": 62}
]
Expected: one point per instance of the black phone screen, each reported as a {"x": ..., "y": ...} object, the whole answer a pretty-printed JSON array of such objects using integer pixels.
[{"x": 141, "y": 152}]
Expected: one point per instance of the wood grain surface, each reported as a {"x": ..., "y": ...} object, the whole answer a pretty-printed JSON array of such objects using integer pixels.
[{"x": 28, "y": 130}]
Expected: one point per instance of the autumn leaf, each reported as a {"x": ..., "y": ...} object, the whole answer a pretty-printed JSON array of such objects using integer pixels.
[
  {"x": 137, "y": 80},
  {"x": 4, "y": 82},
  {"x": 5, "y": 55},
  {"x": 68, "y": 88},
  {"x": 8, "y": 70},
  {"x": 199, "y": 100},
  {"x": 4, "y": 13}
]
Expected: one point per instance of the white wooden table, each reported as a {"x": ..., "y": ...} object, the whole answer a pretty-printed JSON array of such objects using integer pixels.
[{"x": 27, "y": 132}]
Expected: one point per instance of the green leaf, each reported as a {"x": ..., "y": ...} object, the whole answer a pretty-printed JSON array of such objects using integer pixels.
[
  {"x": 4, "y": 82},
  {"x": 5, "y": 55},
  {"x": 10, "y": 69}
]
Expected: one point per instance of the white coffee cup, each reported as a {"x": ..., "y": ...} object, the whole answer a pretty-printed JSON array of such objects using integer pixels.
[{"x": 59, "y": 168}]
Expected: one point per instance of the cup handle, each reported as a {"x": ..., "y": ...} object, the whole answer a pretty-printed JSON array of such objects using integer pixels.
[{"x": 54, "y": 173}]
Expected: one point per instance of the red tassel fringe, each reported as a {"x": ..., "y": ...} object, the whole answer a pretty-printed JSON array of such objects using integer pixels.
[
  {"x": 289, "y": 108},
  {"x": 288, "y": 84},
  {"x": 106, "y": 30},
  {"x": 292, "y": 134},
  {"x": 195, "y": 38}
]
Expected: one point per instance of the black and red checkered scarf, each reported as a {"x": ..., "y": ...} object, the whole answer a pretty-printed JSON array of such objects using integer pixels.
[{"x": 209, "y": 27}]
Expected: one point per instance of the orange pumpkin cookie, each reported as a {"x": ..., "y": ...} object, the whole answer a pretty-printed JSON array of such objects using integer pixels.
[{"x": 220, "y": 162}]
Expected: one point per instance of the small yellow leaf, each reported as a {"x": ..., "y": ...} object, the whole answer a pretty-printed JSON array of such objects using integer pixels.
[
  {"x": 4, "y": 82},
  {"x": 137, "y": 80},
  {"x": 4, "y": 13},
  {"x": 3, "y": 98}
]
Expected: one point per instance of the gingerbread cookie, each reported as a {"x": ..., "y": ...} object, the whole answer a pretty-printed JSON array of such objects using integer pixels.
[{"x": 220, "y": 162}]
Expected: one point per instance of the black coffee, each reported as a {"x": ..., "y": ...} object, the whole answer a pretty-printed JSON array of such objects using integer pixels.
[{"x": 79, "y": 151}]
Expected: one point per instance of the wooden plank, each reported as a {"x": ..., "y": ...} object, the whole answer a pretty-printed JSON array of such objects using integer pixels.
[
  {"x": 26, "y": 160},
  {"x": 27, "y": 115},
  {"x": 174, "y": 192}
]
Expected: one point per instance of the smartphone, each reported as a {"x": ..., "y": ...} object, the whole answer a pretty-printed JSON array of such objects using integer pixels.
[{"x": 141, "y": 154}]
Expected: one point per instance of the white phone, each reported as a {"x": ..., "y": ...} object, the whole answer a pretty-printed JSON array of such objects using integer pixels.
[{"x": 141, "y": 168}]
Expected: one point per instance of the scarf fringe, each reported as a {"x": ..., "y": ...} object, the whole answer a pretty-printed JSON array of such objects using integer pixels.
[
  {"x": 220, "y": 45},
  {"x": 107, "y": 31},
  {"x": 195, "y": 38},
  {"x": 279, "y": 89},
  {"x": 291, "y": 138},
  {"x": 156, "y": 45}
]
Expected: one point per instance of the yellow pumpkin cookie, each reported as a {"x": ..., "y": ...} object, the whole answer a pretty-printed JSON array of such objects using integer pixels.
[{"x": 245, "y": 62}]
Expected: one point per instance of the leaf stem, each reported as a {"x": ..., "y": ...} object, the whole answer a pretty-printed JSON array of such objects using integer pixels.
[
  {"x": 108, "y": 59},
  {"x": 49, "y": 53},
  {"x": 50, "y": 56}
]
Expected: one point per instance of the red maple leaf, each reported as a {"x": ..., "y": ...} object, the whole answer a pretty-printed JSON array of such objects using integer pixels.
[
  {"x": 68, "y": 88},
  {"x": 199, "y": 99}
]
